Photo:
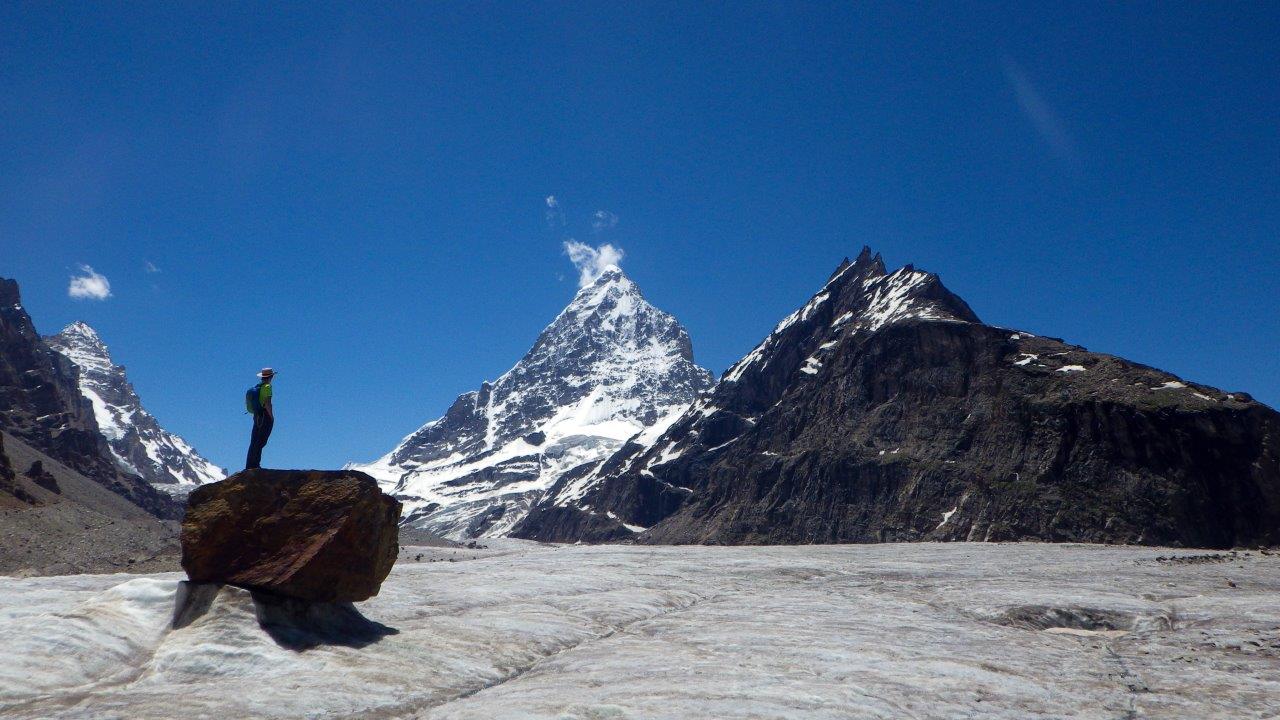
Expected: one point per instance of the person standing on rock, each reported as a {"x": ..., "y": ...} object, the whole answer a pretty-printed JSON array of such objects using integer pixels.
[{"x": 258, "y": 401}]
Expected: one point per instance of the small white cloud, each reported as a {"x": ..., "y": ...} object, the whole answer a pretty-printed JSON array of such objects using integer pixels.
[
  {"x": 603, "y": 220},
  {"x": 555, "y": 216},
  {"x": 591, "y": 261},
  {"x": 89, "y": 285},
  {"x": 150, "y": 267}
]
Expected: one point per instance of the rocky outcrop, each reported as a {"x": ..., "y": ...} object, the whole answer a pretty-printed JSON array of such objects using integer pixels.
[
  {"x": 884, "y": 410},
  {"x": 40, "y": 404},
  {"x": 10, "y": 490},
  {"x": 305, "y": 534},
  {"x": 43, "y": 478}
]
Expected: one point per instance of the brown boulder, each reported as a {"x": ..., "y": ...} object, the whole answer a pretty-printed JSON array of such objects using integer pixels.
[{"x": 324, "y": 536}]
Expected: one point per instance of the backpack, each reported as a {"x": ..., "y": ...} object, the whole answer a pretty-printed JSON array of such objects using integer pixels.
[{"x": 252, "y": 399}]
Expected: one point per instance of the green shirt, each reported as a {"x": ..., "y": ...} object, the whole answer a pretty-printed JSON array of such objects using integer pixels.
[{"x": 264, "y": 394}]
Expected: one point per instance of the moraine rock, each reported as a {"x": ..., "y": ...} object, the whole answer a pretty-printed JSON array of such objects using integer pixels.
[
  {"x": 9, "y": 488},
  {"x": 305, "y": 534},
  {"x": 42, "y": 477},
  {"x": 885, "y": 410},
  {"x": 609, "y": 367},
  {"x": 136, "y": 440}
]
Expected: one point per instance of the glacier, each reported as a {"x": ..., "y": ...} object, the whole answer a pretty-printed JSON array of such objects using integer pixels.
[{"x": 527, "y": 630}]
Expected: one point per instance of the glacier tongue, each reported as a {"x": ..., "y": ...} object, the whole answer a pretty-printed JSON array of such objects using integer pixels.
[
  {"x": 607, "y": 368},
  {"x": 138, "y": 442}
]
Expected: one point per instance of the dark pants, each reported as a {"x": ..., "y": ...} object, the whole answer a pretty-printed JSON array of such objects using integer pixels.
[{"x": 262, "y": 424}]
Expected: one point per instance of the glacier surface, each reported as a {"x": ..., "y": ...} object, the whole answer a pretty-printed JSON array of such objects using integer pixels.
[{"x": 537, "y": 631}]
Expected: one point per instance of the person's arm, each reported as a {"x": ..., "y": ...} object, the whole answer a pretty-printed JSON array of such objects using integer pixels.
[{"x": 266, "y": 407}]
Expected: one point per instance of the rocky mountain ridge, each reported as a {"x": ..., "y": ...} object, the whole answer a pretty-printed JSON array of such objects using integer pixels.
[{"x": 885, "y": 410}]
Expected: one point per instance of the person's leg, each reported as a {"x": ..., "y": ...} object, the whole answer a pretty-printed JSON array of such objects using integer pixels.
[
  {"x": 254, "y": 459},
  {"x": 267, "y": 424},
  {"x": 261, "y": 432}
]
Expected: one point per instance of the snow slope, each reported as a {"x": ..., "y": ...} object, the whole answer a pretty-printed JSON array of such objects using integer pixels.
[
  {"x": 610, "y": 366},
  {"x": 136, "y": 439},
  {"x": 1013, "y": 631}
]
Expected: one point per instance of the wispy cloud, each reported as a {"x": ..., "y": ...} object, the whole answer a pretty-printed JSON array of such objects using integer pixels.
[
  {"x": 555, "y": 216},
  {"x": 591, "y": 261},
  {"x": 89, "y": 285},
  {"x": 151, "y": 268},
  {"x": 603, "y": 220},
  {"x": 1040, "y": 113}
]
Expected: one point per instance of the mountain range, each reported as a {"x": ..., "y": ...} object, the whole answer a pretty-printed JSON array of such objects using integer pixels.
[
  {"x": 884, "y": 410},
  {"x": 66, "y": 502}
]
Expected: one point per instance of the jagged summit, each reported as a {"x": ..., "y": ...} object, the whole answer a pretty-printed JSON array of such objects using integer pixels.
[
  {"x": 81, "y": 344},
  {"x": 859, "y": 297},
  {"x": 9, "y": 293},
  {"x": 82, "y": 329},
  {"x": 136, "y": 440},
  {"x": 608, "y": 367}
]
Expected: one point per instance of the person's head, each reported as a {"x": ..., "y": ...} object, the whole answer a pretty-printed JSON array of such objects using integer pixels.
[{"x": 266, "y": 375}]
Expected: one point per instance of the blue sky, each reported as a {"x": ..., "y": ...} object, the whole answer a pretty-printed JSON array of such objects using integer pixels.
[{"x": 357, "y": 196}]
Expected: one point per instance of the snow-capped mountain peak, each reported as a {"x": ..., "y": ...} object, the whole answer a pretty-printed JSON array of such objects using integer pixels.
[
  {"x": 138, "y": 442},
  {"x": 608, "y": 367},
  {"x": 81, "y": 344},
  {"x": 860, "y": 297}
]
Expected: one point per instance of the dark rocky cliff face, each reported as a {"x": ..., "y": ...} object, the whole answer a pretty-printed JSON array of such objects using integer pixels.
[
  {"x": 885, "y": 411},
  {"x": 41, "y": 405}
]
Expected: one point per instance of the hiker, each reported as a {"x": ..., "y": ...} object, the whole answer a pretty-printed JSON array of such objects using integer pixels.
[{"x": 257, "y": 400}]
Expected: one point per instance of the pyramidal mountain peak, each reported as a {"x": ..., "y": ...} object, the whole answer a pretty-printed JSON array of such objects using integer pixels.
[
  {"x": 135, "y": 438},
  {"x": 81, "y": 344},
  {"x": 608, "y": 367}
]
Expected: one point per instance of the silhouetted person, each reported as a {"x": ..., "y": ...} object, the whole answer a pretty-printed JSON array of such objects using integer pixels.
[{"x": 258, "y": 401}]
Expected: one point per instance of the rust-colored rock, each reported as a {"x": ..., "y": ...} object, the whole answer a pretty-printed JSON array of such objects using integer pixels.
[{"x": 324, "y": 536}]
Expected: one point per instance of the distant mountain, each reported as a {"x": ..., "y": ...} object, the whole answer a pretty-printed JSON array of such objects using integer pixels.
[
  {"x": 885, "y": 410},
  {"x": 136, "y": 440},
  {"x": 41, "y": 407},
  {"x": 609, "y": 367}
]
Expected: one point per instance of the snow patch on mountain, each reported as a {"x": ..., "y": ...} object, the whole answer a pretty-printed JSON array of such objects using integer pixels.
[
  {"x": 893, "y": 298},
  {"x": 885, "y": 299}
]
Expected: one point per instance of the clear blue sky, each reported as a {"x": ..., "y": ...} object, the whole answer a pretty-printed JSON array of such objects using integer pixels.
[{"x": 357, "y": 196}]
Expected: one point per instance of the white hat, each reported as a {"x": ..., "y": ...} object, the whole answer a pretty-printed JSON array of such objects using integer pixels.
[{"x": 266, "y": 373}]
